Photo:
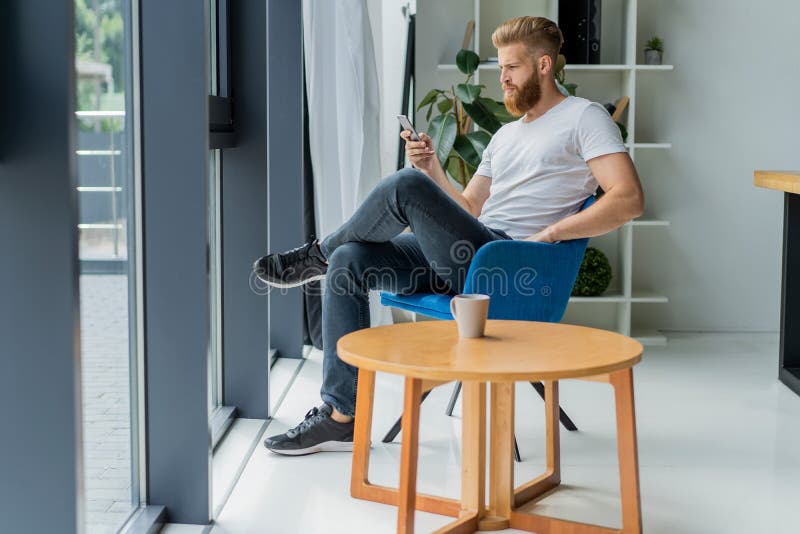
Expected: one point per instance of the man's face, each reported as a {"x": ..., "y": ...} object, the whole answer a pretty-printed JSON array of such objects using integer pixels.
[{"x": 522, "y": 88}]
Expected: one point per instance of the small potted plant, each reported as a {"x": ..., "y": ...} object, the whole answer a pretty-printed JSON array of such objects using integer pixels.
[{"x": 654, "y": 51}]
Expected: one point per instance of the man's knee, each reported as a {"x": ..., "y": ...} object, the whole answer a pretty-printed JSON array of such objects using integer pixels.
[
  {"x": 348, "y": 255},
  {"x": 410, "y": 180},
  {"x": 355, "y": 264},
  {"x": 348, "y": 262}
]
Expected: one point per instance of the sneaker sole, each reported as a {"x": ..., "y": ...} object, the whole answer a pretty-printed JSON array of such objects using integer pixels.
[
  {"x": 326, "y": 446},
  {"x": 285, "y": 285}
]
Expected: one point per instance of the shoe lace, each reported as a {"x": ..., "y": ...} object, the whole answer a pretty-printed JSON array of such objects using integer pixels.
[
  {"x": 298, "y": 255},
  {"x": 312, "y": 417}
]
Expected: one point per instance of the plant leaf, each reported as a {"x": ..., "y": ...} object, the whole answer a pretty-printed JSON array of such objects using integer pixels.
[
  {"x": 429, "y": 98},
  {"x": 442, "y": 130},
  {"x": 498, "y": 109},
  {"x": 445, "y": 105},
  {"x": 482, "y": 116},
  {"x": 454, "y": 169},
  {"x": 466, "y": 151},
  {"x": 467, "y": 61},
  {"x": 479, "y": 140},
  {"x": 467, "y": 92}
]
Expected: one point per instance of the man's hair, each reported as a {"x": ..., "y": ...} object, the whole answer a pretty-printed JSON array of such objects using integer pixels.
[{"x": 540, "y": 35}]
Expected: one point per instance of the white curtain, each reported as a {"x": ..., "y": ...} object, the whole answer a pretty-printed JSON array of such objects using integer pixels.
[{"x": 343, "y": 107}]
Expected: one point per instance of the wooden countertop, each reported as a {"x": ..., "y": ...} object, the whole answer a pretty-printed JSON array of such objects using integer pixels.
[{"x": 788, "y": 181}]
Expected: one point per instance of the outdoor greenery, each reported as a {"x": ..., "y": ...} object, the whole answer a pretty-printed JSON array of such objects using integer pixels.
[
  {"x": 593, "y": 276},
  {"x": 99, "y": 37}
]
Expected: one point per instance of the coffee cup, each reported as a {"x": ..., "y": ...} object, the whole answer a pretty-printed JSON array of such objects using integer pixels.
[{"x": 470, "y": 312}]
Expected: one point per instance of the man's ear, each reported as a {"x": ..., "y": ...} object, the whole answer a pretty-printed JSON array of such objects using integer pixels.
[{"x": 545, "y": 64}]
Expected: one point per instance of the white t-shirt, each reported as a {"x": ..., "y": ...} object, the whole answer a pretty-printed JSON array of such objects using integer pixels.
[{"x": 538, "y": 169}]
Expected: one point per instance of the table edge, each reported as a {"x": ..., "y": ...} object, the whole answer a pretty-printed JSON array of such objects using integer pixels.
[{"x": 432, "y": 374}]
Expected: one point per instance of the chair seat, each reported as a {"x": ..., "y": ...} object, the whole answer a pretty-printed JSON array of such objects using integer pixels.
[{"x": 429, "y": 304}]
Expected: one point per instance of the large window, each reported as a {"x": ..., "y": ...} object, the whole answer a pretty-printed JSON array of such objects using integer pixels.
[{"x": 106, "y": 192}]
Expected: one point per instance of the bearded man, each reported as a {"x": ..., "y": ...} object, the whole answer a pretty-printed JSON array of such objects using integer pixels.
[{"x": 533, "y": 178}]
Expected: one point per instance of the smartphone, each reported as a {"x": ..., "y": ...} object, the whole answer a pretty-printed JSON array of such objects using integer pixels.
[{"x": 406, "y": 124}]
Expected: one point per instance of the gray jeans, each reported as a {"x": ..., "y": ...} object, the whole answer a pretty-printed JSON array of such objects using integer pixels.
[{"x": 369, "y": 251}]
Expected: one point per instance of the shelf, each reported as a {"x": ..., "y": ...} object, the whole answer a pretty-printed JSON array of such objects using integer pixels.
[
  {"x": 452, "y": 66},
  {"x": 647, "y": 222},
  {"x": 648, "y": 297},
  {"x": 492, "y": 65},
  {"x": 607, "y": 297},
  {"x": 589, "y": 68},
  {"x": 650, "y": 145},
  {"x": 638, "y": 297},
  {"x": 654, "y": 67}
]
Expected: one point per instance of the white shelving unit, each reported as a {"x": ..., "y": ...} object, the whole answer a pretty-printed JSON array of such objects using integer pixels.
[{"x": 624, "y": 20}]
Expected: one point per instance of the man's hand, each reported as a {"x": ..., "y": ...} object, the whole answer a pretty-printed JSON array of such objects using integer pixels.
[
  {"x": 421, "y": 153},
  {"x": 545, "y": 236}
]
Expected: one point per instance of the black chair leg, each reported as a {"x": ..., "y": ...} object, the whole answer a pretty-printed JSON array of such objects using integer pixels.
[
  {"x": 389, "y": 437},
  {"x": 453, "y": 399},
  {"x": 562, "y": 415}
]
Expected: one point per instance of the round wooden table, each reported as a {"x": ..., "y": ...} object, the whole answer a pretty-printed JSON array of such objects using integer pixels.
[{"x": 430, "y": 353}]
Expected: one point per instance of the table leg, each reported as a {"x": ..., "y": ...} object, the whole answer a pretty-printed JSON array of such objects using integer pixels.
[
  {"x": 408, "y": 456},
  {"x": 789, "y": 371},
  {"x": 473, "y": 461},
  {"x": 627, "y": 451},
  {"x": 359, "y": 480},
  {"x": 360, "y": 486},
  {"x": 473, "y": 448},
  {"x": 552, "y": 476},
  {"x": 501, "y": 463},
  {"x": 622, "y": 381}
]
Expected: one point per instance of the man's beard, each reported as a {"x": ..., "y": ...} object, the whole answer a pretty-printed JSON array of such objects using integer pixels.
[{"x": 521, "y": 100}]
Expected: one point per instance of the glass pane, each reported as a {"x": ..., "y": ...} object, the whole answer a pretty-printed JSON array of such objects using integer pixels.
[
  {"x": 105, "y": 178},
  {"x": 214, "y": 229}
]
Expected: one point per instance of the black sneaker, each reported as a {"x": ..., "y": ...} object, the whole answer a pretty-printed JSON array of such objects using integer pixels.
[
  {"x": 292, "y": 268},
  {"x": 317, "y": 433}
]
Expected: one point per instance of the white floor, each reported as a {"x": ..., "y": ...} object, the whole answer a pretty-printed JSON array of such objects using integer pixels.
[{"x": 719, "y": 450}]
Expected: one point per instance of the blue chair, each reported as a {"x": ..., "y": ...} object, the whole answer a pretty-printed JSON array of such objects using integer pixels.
[{"x": 526, "y": 280}]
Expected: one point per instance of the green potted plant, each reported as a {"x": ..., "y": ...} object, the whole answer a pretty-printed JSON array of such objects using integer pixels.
[
  {"x": 654, "y": 51},
  {"x": 594, "y": 275}
]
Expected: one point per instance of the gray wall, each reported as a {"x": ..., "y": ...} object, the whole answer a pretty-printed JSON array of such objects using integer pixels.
[{"x": 729, "y": 107}]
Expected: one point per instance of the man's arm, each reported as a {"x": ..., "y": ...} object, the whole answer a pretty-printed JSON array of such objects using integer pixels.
[
  {"x": 474, "y": 195},
  {"x": 623, "y": 200},
  {"x": 423, "y": 157}
]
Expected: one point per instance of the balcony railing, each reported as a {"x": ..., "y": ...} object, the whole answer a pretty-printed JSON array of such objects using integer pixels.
[{"x": 102, "y": 188}]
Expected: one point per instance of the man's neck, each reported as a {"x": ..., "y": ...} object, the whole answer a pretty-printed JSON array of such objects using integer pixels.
[{"x": 551, "y": 97}]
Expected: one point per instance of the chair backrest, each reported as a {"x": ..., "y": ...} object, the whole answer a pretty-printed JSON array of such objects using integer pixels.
[{"x": 535, "y": 279}]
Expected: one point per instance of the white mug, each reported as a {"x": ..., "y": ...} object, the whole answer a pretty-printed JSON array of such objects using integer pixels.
[{"x": 470, "y": 312}]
